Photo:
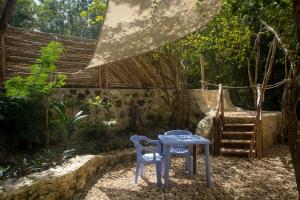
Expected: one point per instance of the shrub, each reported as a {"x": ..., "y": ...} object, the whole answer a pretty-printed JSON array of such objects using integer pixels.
[
  {"x": 22, "y": 121},
  {"x": 40, "y": 83}
]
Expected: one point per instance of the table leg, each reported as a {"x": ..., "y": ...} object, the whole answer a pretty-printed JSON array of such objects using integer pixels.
[
  {"x": 206, "y": 150},
  {"x": 195, "y": 159},
  {"x": 167, "y": 165}
]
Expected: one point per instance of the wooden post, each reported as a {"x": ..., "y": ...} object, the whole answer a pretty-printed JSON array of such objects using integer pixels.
[
  {"x": 3, "y": 61},
  {"x": 258, "y": 123},
  {"x": 177, "y": 70},
  {"x": 222, "y": 101},
  {"x": 215, "y": 135},
  {"x": 99, "y": 77},
  {"x": 202, "y": 72},
  {"x": 104, "y": 74}
]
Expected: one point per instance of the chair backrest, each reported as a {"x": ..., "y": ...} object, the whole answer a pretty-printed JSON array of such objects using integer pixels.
[
  {"x": 178, "y": 132},
  {"x": 137, "y": 139}
]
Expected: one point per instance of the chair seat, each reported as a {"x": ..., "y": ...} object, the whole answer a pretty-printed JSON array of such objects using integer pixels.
[
  {"x": 148, "y": 157},
  {"x": 179, "y": 151}
]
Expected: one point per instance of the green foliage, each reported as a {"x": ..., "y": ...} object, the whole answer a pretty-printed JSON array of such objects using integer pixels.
[
  {"x": 99, "y": 103},
  {"x": 68, "y": 123},
  {"x": 23, "y": 15},
  {"x": 225, "y": 36},
  {"x": 95, "y": 12},
  {"x": 33, "y": 92},
  {"x": 81, "y": 18},
  {"x": 100, "y": 116},
  {"x": 227, "y": 40},
  {"x": 39, "y": 82},
  {"x": 37, "y": 162},
  {"x": 22, "y": 122},
  {"x": 277, "y": 13}
]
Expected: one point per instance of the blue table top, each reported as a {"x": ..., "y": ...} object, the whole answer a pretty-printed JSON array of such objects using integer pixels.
[{"x": 183, "y": 139}]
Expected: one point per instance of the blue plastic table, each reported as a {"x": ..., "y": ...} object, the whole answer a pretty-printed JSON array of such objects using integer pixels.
[{"x": 169, "y": 140}]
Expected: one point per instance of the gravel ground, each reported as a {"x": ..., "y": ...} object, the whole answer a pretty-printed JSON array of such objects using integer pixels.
[{"x": 232, "y": 177}]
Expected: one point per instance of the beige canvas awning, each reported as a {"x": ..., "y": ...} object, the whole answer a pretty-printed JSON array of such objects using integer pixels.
[{"x": 132, "y": 27}]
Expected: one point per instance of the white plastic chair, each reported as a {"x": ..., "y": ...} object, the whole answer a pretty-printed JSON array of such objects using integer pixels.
[
  {"x": 147, "y": 155},
  {"x": 181, "y": 149}
]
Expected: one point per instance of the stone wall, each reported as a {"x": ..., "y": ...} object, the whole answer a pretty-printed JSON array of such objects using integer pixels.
[
  {"x": 62, "y": 181},
  {"x": 130, "y": 106},
  {"x": 271, "y": 128}
]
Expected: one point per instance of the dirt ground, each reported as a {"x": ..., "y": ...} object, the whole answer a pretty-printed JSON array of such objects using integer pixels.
[{"x": 233, "y": 178}]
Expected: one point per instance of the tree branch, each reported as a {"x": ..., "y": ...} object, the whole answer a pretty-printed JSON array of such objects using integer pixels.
[{"x": 286, "y": 50}]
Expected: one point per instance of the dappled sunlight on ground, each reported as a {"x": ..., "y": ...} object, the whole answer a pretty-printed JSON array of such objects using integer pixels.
[{"x": 233, "y": 178}]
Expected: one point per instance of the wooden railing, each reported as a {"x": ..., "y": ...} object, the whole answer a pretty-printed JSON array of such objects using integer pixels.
[
  {"x": 256, "y": 142},
  {"x": 218, "y": 122}
]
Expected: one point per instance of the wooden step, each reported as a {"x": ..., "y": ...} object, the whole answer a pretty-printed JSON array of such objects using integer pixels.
[
  {"x": 234, "y": 151},
  {"x": 238, "y": 125},
  {"x": 248, "y": 133},
  {"x": 227, "y": 141}
]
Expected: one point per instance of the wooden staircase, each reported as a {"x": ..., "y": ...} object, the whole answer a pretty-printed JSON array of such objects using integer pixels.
[
  {"x": 236, "y": 138},
  {"x": 237, "y": 133}
]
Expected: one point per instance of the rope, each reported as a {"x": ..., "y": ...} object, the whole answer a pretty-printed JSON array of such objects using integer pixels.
[
  {"x": 275, "y": 85},
  {"x": 230, "y": 87}
]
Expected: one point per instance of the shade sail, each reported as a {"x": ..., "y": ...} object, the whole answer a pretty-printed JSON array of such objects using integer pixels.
[{"x": 132, "y": 27}]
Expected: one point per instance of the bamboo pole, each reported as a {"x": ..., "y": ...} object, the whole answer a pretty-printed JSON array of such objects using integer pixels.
[
  {"x": 177, "y": 82},
  {"x": 99, "y": 77},
  {"x": 104, "y": 78},
  {"x": 258, "y": 133},
  {"x": 222, "y": 101},
  {"x": 202, "y": 72}
]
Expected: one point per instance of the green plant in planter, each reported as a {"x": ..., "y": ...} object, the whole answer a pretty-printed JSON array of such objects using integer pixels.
[{"x": 66, "y": 122}]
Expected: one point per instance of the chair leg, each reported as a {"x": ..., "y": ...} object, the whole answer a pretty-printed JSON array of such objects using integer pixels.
[
  {"x": 189, "y": 164},
  {"x": 138, "y": 164},
  {"x": 163, "y": 164},
  {"x": 141, "y": 171},
  {"x": 158, "y": 174}
]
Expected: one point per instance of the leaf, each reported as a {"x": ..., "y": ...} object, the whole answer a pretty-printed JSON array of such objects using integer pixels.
[
  {"x": 78, "y": 114},
  {"x": 79, "y": 118}
]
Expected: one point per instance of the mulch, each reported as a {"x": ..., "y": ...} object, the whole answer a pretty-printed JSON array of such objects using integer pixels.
[{"x": 272, "y": 177}]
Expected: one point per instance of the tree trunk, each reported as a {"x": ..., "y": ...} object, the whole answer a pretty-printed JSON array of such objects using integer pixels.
[
  {"x": 202, "y": 72},
  {"x": 290, "y": 103},
  {"x": 290, "y": 99},
  {"x": 6, "y": 13},
  {"x": 47, "y": 132}
]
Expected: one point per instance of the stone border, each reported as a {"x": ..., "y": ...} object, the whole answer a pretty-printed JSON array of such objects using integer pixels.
[{"x": 62, "y": 181}]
